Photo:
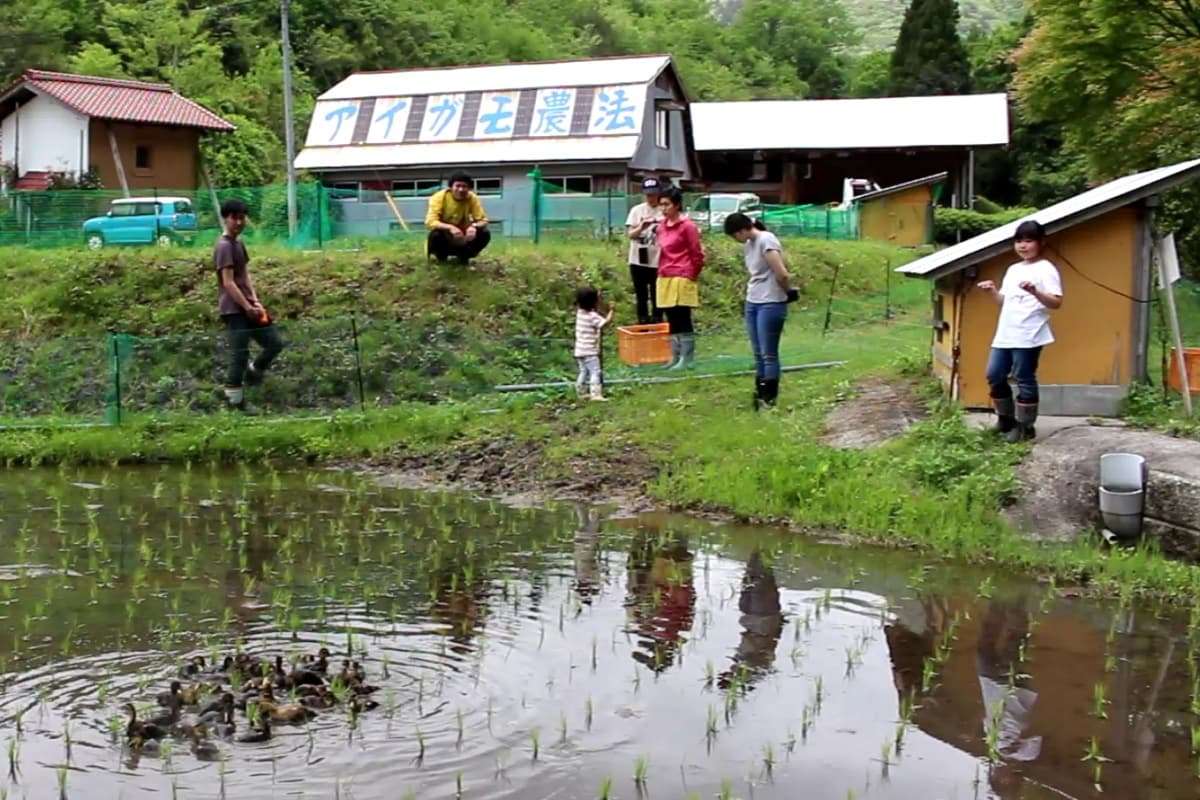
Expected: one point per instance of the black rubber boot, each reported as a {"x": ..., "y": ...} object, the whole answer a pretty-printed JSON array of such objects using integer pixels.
[
  {"x": 1005, "y": 415},
  {"x": 758, "y": 393},
  {"x": 1023, "y": 430},
  {"x": 770, "y": 391}
]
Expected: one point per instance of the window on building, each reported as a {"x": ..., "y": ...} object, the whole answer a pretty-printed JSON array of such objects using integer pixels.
[
  {"x": 662, "y": 128},
  {"x": 575, "y": 184},
  {"x": 489, "y": 187},
  {"x": 415, "y": 188},
  {"x": 346, "y": 191},
  {"x": 142, "y": 157}
]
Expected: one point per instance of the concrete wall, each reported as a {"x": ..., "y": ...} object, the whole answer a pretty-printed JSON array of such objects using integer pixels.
[
  {"x": 52, "y": 138},
  {"x": 173, "y": 155},
  {"x": 904, "y": 218},
  {"x": 1095, "y": 354},
  {"x": 510, "y": 213}
]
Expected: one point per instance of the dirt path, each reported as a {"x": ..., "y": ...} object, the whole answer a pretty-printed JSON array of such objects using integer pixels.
[{"x": 878, "y": 411}]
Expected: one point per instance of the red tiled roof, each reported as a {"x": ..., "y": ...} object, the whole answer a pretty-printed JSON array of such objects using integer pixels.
[
  {"x": 122, "y": 100},
  {"x": 33, "y": 182}
]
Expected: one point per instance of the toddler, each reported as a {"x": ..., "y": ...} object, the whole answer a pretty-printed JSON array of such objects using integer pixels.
[{"x": 588, "y": 325}]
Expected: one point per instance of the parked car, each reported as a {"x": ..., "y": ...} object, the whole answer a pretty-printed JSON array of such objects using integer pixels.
[
  {"x": 142, "y": 220},
  {"x": 711, "y": 210}
]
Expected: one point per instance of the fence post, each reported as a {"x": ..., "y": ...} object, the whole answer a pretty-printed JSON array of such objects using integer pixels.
[
  {"x": 887, "y": 291},
  {"x": 828, "y": 222},
  {"x": 362, "y": 403},
  {"x": 535, "y": 222},
  {"x": 829, "y": 302},
  {"x": 116, "y": 372}
]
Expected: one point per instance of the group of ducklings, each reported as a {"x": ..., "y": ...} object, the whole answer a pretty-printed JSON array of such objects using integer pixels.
[{"x": 206, "y": 704}]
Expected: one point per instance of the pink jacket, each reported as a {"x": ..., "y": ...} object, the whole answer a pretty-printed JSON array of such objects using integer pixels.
[{"x": 680, "y": 254}]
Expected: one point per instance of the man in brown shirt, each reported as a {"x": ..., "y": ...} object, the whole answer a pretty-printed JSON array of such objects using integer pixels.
[{"x": 240, "y": 309}]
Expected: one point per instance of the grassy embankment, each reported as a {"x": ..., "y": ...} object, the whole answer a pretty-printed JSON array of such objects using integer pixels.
[{"x": 939, "y": 488}]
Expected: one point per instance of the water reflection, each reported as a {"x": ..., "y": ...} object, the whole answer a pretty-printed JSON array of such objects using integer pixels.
[
  {"x": 762, "y": 624},
  {"x": 661, "y": 596}
]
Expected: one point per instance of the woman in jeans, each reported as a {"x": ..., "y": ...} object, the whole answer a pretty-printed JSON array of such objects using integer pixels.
[
  {"x": 767, "y": 296},
  {"x": 680, "y": 259}
]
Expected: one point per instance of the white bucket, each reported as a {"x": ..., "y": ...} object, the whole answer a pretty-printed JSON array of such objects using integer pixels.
[{"x": 1123, "y": 493}]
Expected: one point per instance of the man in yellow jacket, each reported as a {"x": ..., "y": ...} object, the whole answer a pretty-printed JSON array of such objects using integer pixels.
[{"x": 456, "y": 221}]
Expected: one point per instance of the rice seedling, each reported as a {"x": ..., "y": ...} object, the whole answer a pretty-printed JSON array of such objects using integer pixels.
[
  {"x": 587, "y": 713},
  {"x": 458, "y": 785},
  {"x": 562, "y": 728},
  {"x": 710, "y": 724},
  {"x": 768, "y": 759},
  {"x": 605, "y": 789},
  {"x": 1099, "y": 701},
  {"x": 420, "y": 759},
  {"x": 62, "y": 783},
  {"x": 534, "y": 742},
  {"x": 641, "y": 768},
  {"x": 726, "y": 791}
]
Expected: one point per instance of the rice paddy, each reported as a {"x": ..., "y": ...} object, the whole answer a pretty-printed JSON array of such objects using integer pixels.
[{"x": 550, "y": 653}]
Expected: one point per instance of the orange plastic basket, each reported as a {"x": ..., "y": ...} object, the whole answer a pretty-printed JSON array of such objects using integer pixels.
[
  {"x": 1191, "y": 358},
  {"x": 644, "y": 344}
]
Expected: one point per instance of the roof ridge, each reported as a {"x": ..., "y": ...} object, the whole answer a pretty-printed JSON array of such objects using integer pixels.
[
  {"x": 496, "y": 65},
  {"x": 70, "y": 77}
]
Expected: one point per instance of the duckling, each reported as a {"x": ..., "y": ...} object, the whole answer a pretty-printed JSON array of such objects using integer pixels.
[
  {"x": 226, "y": 728},
  {"x": 223, "y": 668},
  {"x": 140, "y": 731},
  {"x": 320, "y": 698},
  {"x": 285, "y": 712},
  {"x": 359, "y": 704},
  {"x": 145, "y": 746},
  {"x": 318, "y": 663},
  {"x": 190, "y": 695},
  {"x": 302, "y": 677},
  {"x": 262, "y": 734},
  {"x": 169, "y": 717},
  {"x": 164, "y": 698},
  {"x": 194, "y": 666},
  {"x": 217, "y": 706},
  {"x": 204, "y": 749}
]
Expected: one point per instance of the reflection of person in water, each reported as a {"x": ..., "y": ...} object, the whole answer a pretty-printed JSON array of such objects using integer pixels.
[
  {"x": 588, "y": 579},
  {"x": 911, "y": 638},
  {"x": 1009, "y": 708},
  {"x": 762, "y": 625},
  {"x": 661, "y": 601}
]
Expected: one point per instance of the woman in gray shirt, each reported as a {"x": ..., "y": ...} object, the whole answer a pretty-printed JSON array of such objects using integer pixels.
[{"x": 767, "y": 296}]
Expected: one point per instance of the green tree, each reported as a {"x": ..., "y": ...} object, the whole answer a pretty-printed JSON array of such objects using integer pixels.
[
  {"x": 812, "y": 36},
  {"x": 871, "y": 74},
  {"x": 929, "y": 57}
]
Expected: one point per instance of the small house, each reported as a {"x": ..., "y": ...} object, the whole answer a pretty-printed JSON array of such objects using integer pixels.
[
  {"x": 901, "y": 214},
  {"x": 1101, "y": 242},
  {"x": 384, "y": 141},
  {"x": 133, "y": 135},
  {"x": 802, "y": 151}
]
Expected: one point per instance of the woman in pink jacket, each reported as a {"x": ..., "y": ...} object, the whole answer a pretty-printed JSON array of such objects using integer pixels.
[{"x": 680, "y": 260}]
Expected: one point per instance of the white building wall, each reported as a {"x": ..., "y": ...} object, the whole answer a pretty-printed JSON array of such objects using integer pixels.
[{"x": 52, "y": 138}]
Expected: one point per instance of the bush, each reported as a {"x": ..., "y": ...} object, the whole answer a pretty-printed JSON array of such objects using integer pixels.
[{"x": 954, "y": 224}]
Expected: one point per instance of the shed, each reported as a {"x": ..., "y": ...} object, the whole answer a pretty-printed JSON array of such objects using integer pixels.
[
  {"x": 592, "y": 126},
  {"x": 133, "y": 134},
  {"x": 1101, "y": 242},
  {"x": 901, "y": 214},
  {"x": 800, "y": 151}
]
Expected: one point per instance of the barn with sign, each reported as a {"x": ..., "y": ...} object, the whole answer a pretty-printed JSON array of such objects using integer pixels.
[{"x": 384, "y": 141}]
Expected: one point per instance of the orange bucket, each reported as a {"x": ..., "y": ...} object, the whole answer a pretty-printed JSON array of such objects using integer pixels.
[
  {"x": 1191, "y": 358},
  {"x": 644, "y": 344}
]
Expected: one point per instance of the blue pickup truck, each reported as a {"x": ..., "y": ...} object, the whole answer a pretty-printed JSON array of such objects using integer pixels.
[{"x": 164, "y": 221}]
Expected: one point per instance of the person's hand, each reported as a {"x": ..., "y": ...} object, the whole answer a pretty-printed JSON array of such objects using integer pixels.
[
  {"x": 987, "y": 286},
  {"x": 1029, "y": 286},
  {"x": 470, "y": 234},
  {"x": 793, "y": 295}
]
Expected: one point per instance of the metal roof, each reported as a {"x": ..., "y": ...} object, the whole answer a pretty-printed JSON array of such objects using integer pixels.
[
  {"x": 970, "y": 120},
  {"x": 581, "y": 148},
  {"x": 1080, "y": 208},
  {"x": 537, "y": 75},
  {"x": 119, "y": 100},
  {"x": 900, "y": 187},
  {"x": 150, "y": 199}
]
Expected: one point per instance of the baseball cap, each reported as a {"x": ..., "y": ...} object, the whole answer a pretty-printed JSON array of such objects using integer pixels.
[{"x": 651, "y": 185}]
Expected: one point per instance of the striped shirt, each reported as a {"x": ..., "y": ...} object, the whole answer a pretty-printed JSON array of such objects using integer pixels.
[{"x": 587, "y": 332}]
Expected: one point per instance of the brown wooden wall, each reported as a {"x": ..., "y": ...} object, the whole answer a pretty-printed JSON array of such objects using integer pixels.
[{"x": 174, "y": 159}]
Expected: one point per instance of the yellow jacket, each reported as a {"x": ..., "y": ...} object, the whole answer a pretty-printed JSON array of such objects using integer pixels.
[{"x": 444, "y": 208}]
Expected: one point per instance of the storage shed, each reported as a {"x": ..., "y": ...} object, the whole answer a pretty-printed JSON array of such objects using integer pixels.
[
  {"x": 901, "y": 214},
  {"x": 1101, "y": 242}
]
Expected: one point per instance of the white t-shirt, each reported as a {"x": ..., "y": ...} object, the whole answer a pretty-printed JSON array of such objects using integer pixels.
[
  {"x": 1024, "y": 321},
  {"x": 637, "y": 215}
]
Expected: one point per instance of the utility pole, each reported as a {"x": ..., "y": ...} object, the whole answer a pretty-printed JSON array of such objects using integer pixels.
[{"x": 289, "y": 132}]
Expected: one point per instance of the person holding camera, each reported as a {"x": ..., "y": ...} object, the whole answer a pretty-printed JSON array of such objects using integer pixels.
[
  {"x": 767, "y": 294},
  {"x": 640, "y": 227}
]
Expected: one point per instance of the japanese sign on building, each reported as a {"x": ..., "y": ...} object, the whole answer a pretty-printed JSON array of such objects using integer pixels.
[
  {"x": 332, "y": 123},
  {"x": 553, "y": 112},
  {"x": 497, "y": 115},
  {"x": 390, "y": 120},
  {"x": 443, "y": 114},
  {"x": 617, "y": 109}
]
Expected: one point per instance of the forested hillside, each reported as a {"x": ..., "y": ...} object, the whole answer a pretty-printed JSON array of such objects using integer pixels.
[{"x": 879, "y": 20}]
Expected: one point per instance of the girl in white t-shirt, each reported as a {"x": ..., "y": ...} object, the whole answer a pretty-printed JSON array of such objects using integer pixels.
[{"x": 1031, "y": 289}]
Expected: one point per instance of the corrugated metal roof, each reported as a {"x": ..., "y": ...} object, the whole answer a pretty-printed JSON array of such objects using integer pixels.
[
  {"x": 1081, "y": 207},
  {"x": 538, "y": 75},
  {"x": 121, "y": 100},
  {"x": 972, "y": 120},
  {"x": 583, "y": 148}
]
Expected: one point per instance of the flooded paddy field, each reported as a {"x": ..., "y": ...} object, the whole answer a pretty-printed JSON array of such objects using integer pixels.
[{"x": 477, "y": 650}]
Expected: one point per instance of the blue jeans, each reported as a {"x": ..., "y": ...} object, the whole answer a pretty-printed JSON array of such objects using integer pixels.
[
  {"x": 764, "y": 325},
  {"x": 1021, "y": 361}
]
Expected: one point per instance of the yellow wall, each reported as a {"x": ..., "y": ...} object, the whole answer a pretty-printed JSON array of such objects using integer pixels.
[
  {"x": 1094, "y": 328},
  {"x": 173, "y": 151},
  {"x": 902, "y": 218}
]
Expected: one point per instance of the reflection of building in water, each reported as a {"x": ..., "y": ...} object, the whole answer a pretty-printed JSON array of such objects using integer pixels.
[
  {"x": 588, "y": 579},
  {"x": 661, "y": 599},
  {"x": 1006, "y": 708},
  {"x": 761, "y": 621}
]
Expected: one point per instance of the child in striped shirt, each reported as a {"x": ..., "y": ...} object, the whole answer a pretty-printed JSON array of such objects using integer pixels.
[{"x": 588, "y": 325}]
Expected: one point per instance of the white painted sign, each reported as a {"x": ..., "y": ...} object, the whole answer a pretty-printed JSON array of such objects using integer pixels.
[
  {"x": 497, "y": 115},
  {"x": 617, "y": 110},
  {"x": 443, "y": 115},
  {"x": 390, "y": 120},
  {"x": 1169, "y": 259},
  {"x": 552, "y": 112},
  {"x": 332, "y": 123}
]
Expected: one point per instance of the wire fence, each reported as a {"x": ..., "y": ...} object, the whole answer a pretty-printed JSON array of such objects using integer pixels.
[{"x": 534, "y": 208}]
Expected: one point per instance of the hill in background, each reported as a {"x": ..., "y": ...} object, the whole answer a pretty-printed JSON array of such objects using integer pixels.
[{"x": 879, "y": 20}]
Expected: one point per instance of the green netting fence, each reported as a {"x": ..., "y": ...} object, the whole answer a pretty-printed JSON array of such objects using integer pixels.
[{"x": 535, "y": 209}]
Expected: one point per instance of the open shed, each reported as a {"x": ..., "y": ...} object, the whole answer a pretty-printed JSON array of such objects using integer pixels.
[
  {"x": 901, "y": 214},
  {"x": 1101, "y": 242}
]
